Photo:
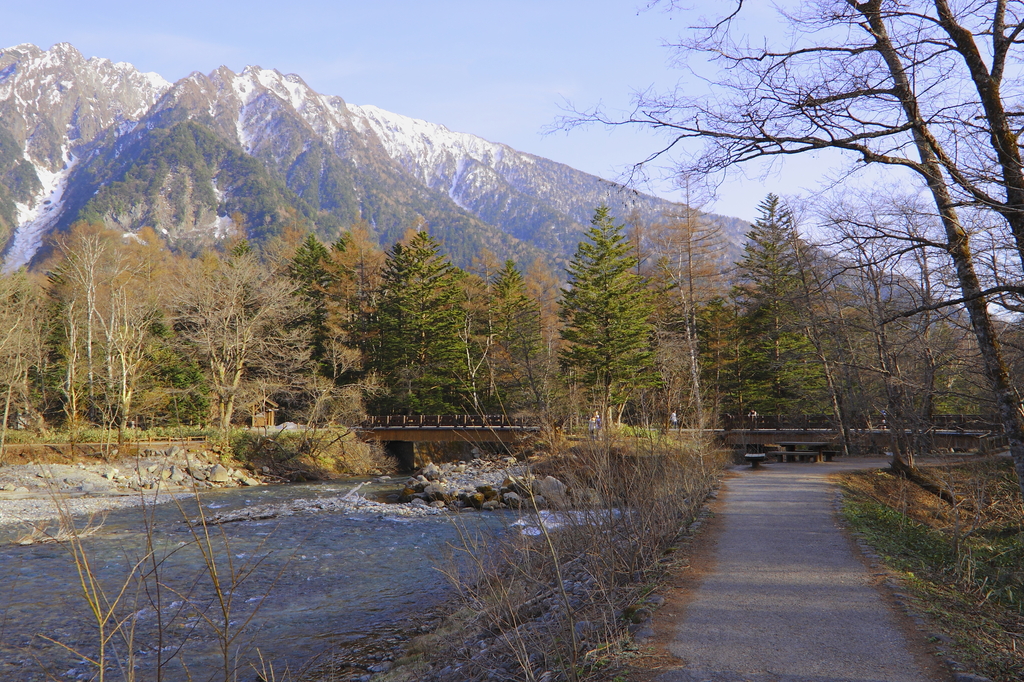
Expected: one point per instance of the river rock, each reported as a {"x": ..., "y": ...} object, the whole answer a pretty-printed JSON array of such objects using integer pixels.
[
  {"x": 516, "y": 484},
  {"x": 219, "y": 474},
  {"x": 431, "y": 472},
  {"x": 490, "y": 505},
  {"x": 551, "y": 489},
  {"x": 487, "y": 491},
  {"x": 513, "y": 500},
  {"x": 21, "y": 489},
  {"x": 419, "y": 502},
  {"x": 644, "y": 634},
  {"x": 475, "y": 500},
  {"x": 249, "y": 481},
  {"x": 436, "y": 491},
  {"x": 198, "y": 473}
]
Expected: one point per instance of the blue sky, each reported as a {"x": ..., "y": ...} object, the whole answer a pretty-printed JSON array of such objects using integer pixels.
[{"x": 501, "y": 69}]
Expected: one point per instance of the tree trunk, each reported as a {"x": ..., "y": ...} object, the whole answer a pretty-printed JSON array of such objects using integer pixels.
[
  {"x": 3, "y": 423},
  {"x": 958, "y": 248}
]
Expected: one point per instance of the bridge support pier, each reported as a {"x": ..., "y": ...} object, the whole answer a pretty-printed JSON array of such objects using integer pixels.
[{"x": 404, "y": 453}]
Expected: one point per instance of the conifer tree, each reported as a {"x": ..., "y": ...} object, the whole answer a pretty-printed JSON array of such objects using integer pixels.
[
  {"x": 606, "y": 310},
  {"x": 418, "y": 345},
  {"x": 310, "y": 270},
  {"x": 776, "y": 366},
  {"x": 519, "y": 365}
]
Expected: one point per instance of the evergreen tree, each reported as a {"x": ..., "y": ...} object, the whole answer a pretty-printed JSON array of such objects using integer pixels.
[
  {"x": 310, "y": 270},
  {"x": 776, "y": 370},
  {"x": 518, "y": 365},
  {"x": 606, "y": 311},
  {"x": 418, "y": 345}
]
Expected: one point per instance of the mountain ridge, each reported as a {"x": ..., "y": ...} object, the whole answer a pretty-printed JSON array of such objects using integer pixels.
[{"x": 93, "y": 139}]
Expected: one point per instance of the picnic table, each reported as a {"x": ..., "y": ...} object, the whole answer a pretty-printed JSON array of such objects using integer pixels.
[{"x": 796, "y": 451}]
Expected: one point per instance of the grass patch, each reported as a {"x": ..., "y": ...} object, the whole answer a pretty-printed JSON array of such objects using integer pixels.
[
  {"x": 100, "y": 435},
  {"x": 962, "y": 564}
]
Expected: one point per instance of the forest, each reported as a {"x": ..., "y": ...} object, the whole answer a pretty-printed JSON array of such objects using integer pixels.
[{"x": 825, "y": 313}]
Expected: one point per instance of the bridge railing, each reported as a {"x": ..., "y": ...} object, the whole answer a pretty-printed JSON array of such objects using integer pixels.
[
  {"x": 807, "y": 422},
  {"x": 799, "y": 422},
  {"x": 420, "y": 421}
]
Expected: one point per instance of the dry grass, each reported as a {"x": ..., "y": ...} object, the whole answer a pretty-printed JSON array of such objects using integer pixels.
[
  {"x": 963, "y": 563},
  {"x": 559, "y": 604},
  {"x": 144, "y": 610},
  {"x": 42, "y": 533},
  {"x": 314, "y": 454}
]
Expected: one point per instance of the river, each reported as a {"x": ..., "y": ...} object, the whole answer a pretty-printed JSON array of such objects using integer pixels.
[{"x": 304, "y": 585}]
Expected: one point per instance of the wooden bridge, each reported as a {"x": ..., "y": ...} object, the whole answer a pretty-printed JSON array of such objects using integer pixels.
[
  {"x": 950, "y": 432},
  {"x": 448, "y": 427},
  {"x": 398, "y": 433}
]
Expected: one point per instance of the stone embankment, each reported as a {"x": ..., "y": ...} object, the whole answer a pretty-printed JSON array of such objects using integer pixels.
[{"x": 31, "y": 492}]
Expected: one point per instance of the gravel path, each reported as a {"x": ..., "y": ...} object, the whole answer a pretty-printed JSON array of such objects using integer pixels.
[{"x": 785, "y": 598}]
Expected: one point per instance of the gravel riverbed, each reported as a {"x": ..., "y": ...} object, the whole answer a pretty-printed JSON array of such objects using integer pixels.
[
  {"x": 37, "y": 492},
  {"x": 31, "y": 493}
]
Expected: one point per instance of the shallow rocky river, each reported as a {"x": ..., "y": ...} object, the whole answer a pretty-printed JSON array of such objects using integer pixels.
[{"x": 304, "y": 584}]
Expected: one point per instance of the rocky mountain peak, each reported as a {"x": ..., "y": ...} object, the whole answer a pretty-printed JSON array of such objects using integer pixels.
[{"x": 92, "y": 139}]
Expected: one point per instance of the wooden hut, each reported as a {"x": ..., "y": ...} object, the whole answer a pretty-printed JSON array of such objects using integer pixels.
[{"x": 264, "y": 414}]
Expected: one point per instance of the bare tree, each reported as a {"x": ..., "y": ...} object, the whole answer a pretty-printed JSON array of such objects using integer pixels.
[
  {"x": 926, "y": 86},
  {"x": 884, "y": 265},
  {"x": 241, "y": 322},
  {"x": 20, "y": 334},
  {"x": 108, "y": 300},
  {"x": 691, "y": 255}
]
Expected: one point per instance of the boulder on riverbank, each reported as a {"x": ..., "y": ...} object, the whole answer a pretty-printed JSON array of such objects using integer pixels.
[{"x": 482, "y": 484}]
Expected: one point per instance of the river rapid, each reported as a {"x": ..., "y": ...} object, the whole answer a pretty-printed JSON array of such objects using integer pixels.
[{"x": 304, "y": 586}]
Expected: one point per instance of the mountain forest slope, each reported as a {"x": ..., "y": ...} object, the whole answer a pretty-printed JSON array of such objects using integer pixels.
[{"x": 257, "y": 153}]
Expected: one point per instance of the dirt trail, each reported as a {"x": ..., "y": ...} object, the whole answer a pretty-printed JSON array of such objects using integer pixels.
[{"x": 785, "y": 597}]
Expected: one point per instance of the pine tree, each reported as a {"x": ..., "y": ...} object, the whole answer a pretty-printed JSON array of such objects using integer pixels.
[
  {"x": 606, "y": 311},
  {"x": 777, "y": 372},
  {"x": 310, "y": 270},
  {"x": 518, "y": 365},
  {"x": 418, "y": 345}
]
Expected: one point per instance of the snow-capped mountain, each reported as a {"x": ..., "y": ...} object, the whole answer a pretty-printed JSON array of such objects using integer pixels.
[
  {"x": 259, "y": 152},
  {"x": 53, "y": 105}
]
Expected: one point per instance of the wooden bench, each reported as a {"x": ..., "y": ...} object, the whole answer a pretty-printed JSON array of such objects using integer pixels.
[{"x": 755, "y": 459}]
